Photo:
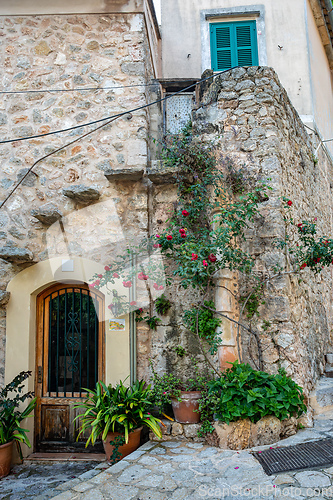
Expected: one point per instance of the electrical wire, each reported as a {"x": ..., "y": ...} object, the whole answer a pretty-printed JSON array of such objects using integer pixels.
[
  {"x": 110, "y": 120},
  {"x": 77, "y": 89}
]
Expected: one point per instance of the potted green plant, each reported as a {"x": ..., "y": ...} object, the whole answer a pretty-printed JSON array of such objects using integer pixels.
[
  {"x": 11, "y": 397},
  {"x": 119, "y": 411},
  {"x": 184, "y": 397}
]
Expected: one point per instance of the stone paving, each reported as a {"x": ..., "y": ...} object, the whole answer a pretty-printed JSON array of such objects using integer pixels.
[
  {"x": 31, "y": 480},
  {"x": 179, "y": 470}
]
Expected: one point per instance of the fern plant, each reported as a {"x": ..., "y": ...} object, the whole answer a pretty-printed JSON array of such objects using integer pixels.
[{"x": 162, "y": 305}]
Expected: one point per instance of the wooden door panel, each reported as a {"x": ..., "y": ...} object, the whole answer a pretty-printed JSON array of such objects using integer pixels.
[
  {"x": 54, "y": 422},
  {"x": 70, "y": 353}
]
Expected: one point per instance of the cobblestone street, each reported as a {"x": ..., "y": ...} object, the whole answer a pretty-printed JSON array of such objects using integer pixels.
[{"x": 175, "y": 470}]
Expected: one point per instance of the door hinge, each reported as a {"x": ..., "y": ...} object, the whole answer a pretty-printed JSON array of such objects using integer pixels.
[{"x": 40, "y": 375}]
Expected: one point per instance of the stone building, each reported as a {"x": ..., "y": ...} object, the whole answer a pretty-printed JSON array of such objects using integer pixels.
[{"x": 67, "y": 66}]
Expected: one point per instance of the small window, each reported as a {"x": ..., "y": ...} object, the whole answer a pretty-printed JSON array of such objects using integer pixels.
[{"x": 233, "y": 44}]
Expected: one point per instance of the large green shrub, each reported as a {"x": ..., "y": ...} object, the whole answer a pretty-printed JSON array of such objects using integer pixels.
[{"x": 242, "y": 392}]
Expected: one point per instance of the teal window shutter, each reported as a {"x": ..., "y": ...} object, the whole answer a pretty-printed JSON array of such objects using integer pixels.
[{"x": 233, "y": 44}]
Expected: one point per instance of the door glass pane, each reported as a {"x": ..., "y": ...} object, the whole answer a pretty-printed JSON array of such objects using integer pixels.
[{"x": 73, "y": 341}]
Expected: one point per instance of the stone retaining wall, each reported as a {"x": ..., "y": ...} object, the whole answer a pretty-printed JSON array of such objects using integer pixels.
[{"x": 250, "y": 117}]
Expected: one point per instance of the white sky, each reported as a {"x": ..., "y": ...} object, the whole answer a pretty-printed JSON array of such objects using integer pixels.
[{"x": 157, "y": 5}]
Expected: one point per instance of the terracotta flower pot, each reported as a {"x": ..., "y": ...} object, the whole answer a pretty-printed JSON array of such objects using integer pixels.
[
  {"x": 125, "y": 449},
  {"x": 184, "y": 409},
  {"x": 6, "y": 451}
]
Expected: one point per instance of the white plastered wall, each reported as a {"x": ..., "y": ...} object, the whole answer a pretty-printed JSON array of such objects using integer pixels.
[{"x": 21, "y": 322}]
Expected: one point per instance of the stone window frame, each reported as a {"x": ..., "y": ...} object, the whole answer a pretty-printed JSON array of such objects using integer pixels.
[{"x": 256, "y": 12}]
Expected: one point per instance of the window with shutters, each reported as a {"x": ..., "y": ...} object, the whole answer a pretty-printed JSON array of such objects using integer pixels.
[{"x": 233, "y": 44}]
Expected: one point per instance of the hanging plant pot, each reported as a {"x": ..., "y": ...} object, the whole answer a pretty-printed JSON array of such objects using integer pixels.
[
  {"x": 184, "y": 410},
  {"x": 6, "y": 451},
  {"x": 125, "y": 449}
]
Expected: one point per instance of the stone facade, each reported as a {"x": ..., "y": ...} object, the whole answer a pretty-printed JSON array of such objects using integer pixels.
[
  {"x": 249, "y": 115},
  {"x": 71, "y": 52},
  {"x": 108, "y": 192}
]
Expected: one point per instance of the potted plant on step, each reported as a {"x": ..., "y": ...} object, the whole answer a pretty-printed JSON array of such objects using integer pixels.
[
  {"x": 117, "y": 414},
  {"x": 183, "y": 396},
  {"x": 11, "y": 397}
]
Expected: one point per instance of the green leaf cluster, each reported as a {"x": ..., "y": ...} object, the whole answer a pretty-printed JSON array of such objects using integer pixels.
[
  {"x": 162, "y": 305},
  {"x": 116, "y": 409},
  {"x": 11, "y": 398},
  {"x": 203, "y": 321},
  {"x": 242, "y": 392},
  {"x": 169, "y": 386}
]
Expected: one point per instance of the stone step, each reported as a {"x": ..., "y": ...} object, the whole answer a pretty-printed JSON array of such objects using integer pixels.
[
  {"x": 329, "y": 358},
  {"x": 321, "y": 398}
]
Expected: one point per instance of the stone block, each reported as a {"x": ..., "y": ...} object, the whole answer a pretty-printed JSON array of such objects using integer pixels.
[
  {"x": 306, "y": 420},
  {"x": 124, "y": 174},
  {"x": 191, "y": 430},
  {"x": 158, "y": 174},
  {"x": 329, "y": 358},
  {"x": 266, "y": 431},
  {"x": 176, "y": 429},
  {"x": 47, "y": 214},
  {"x": 11, "y": 253},
  {"x": 42, "y": 49},
  {"x": 239, "y": 437},
  {"x": 165, "y": 426},
  {"x": 4, "y": 297},
  {"x": 289, "y": 427},
  {"x": 81, "y": 193}
]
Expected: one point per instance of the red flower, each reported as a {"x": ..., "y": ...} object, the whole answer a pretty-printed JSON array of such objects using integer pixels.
[
  {"x": 133, "y": 303},
  {"x": 127, "y": 284},
  {"x": 97, "y": 282},
  {"x": 169, "y": 237},
  {"x": 115, "y": 275},
  {"x": 100, "y": 275},
  {"x": 155, "y": 285},
  {"x": 181, "y": 231},
  {"x": 317, "y": 260},
  {"x": 185, "y": 213},
  {"x": 107, "y": 268},
  {"x": 157, "y": 236},
  {"x": 315, "y": 219},
  {"x": 299, "y": 225},
  {"x": 194, "y": 256},
  {"x": 159, "y": 245},
  {"x": 161, "y": 287},
  {"x": 212, "y": 257},
  {"x": 183, "y": 235},
  {"x": 92, "y": 285},
  {"x": 110, "y": 306},
  {"x": 303, "y": 265},
  {"x": 155, "y": 245},
  {"x": 325, "y": 242},
  {"x": 142, "y": 277},
  {"x": 289, "y": 203},
  {"x": 140, "y": 310},
  {"x": 205, "y": 263}
]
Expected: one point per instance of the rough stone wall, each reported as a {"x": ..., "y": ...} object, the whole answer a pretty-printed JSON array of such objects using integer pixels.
[
  {"x": 249, "y": 115},
  {"x": 71, "y": 52}
]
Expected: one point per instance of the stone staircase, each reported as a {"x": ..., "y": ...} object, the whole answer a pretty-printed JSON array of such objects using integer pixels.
[{"x": 321, "y": 398}]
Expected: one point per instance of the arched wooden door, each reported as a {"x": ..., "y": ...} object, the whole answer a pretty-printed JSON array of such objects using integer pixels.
[{"x": 69, "y": 358}]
